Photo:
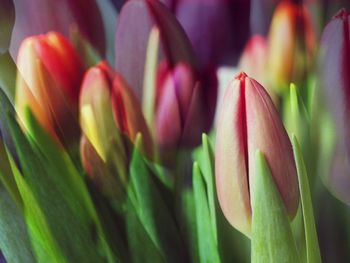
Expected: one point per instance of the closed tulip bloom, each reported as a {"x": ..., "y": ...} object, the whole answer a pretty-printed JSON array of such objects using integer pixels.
[
  {"x": 184, "y": 106},
  {"x": 291, "y": 43},
  {"x": 248, "y": 121},
  {"x": 48, "y": 81},
  {"x": 335, "y": 70},
  {"x": 109, "y": 111},
  {"x": 110, "y": 117},
  {"x": 335, "y": 83}
]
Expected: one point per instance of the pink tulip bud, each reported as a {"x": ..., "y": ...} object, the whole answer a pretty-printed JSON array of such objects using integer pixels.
[
  {"x": 48, "y": 81},
  {"x": 184, "y": 106},
  {"x": 248, "y": 122}
]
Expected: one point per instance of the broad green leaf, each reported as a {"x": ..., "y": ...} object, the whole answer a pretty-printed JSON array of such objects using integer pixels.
[
  {"x": 207, "y": 242},
  {"x": 66, "y": 215},
  {"x": 14, "y": 238},
  {"x": 44, "y": 244},
  {"x": 71, "y": 186},
  {"x": 151, "y": 211},
  {"x": 312, "y": 247},
  {"x": 272, "y": 238}
]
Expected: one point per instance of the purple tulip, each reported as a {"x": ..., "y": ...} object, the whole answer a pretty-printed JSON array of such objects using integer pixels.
[
  {"x": 335, "y": 71},
  {"x": 40, "y": 16},
  {"x": 218, "y": 29},
  {"x": 185, "y": 106}
]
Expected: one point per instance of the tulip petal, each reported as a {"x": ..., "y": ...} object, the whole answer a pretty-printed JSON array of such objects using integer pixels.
[
  {"x": 41, "y": 16},
  {"x": 231, "y": 165},
  {"x": 136, "y": 21},
  {"x": 267, "y": 133}
]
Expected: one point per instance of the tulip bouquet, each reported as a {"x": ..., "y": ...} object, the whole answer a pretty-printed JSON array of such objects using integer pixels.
[{"x": 123, "y": 140}]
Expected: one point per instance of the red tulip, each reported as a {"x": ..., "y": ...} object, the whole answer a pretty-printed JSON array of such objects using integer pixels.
[
  {"x": 111, "y": 117},
  {"x": 110, "y": 110},
  {"x": 248, "y": 122},
  {"x": 49, "y": 78}
]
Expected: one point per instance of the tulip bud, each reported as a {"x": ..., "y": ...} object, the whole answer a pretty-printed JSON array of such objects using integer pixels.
[
  {"x": 110, "y": 118},
  {"x": 335, "y": 71},
  {"x": 248, "y": 122},
  {"x": 291, "y": 44},
  {"x": 253, "y": 58},
  {"x": 184, "y": 106},
  {"x": 48, "y": 81}
]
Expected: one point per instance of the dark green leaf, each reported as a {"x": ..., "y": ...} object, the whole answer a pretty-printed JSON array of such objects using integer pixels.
[
  {"x": 51, "y": 192},
  {"x": 151, "y": 211},
  {"x": 14, "y": 239}
]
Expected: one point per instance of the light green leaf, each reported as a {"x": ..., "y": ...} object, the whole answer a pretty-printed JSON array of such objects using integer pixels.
[
  {"x": 207, "y": 242},
  {"x": 272, "y": 238},
  {"x": 312, "y": 247}
]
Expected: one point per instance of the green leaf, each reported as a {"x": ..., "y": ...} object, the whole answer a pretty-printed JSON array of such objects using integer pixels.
[
  {"x": 206, "y": 234},
  {"x": 72, "y": 188},
  {"x": 152, "y": 213},
  {"x": 312, "y": 247},
  {"x": 6, "y": 176},
  {"x": 8, "y": 71},
  {"x": 14, "y": 238},
  {"x": 272, "y": 238},
  {"x": 51, "y": 184},
  {"x": 44, "y": 244},
  {"x": 207, "y": 167}
]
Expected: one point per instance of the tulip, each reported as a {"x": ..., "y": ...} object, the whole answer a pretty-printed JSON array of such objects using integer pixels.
[
  {"x": 136, "y": 20},
  {"x": 249, "y": 121},
  {"x": 335, "y": 83},
  {"x": 335, "y": 70},
  {"x": 253, "y": 58},
  {"x": 110, "y": 117},
  {"x": 185, "y": 107},
  {"x": 48, "y": 82},
  {"x": 291, "y": 44},
  {"x": 216, "y": 23},
  {"x": 40, "y": 16}
]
